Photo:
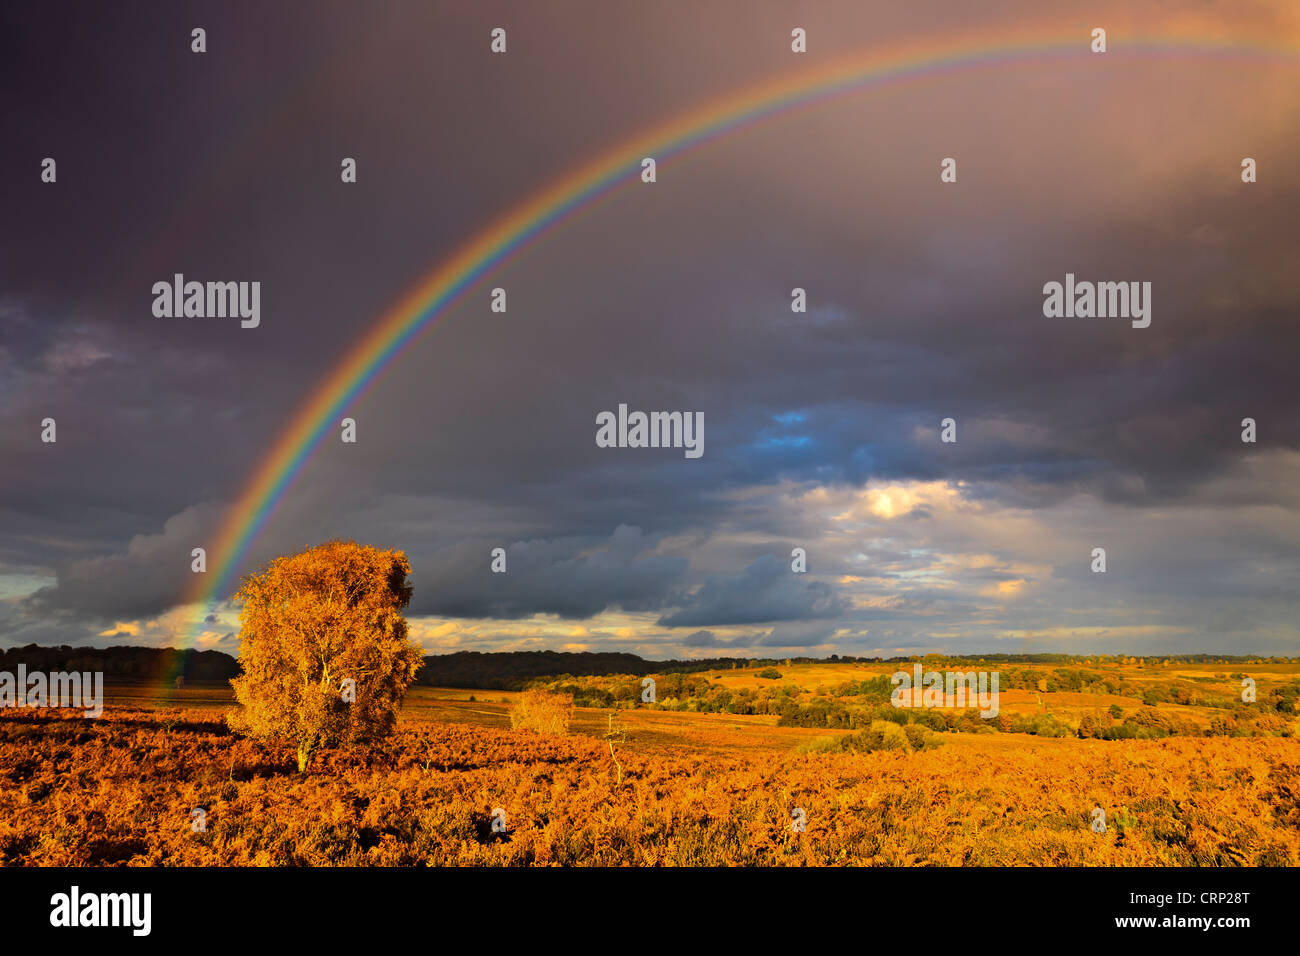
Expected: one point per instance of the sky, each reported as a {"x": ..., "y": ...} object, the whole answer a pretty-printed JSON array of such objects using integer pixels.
[{"x": 822, "y": 429}]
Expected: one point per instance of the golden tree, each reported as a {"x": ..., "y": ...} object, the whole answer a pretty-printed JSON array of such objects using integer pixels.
[{"x": 323, "y": 647}]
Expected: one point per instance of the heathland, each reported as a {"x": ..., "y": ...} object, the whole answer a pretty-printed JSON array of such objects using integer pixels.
[{"x": 1090, "y": 761}]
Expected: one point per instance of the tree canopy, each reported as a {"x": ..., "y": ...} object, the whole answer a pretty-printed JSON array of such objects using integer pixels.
[{"x": 323, "y": 646}]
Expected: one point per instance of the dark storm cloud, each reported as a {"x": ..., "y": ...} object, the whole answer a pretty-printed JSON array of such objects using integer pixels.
[
  {"x": 21, "y": 625},
  {"x": 568, "y": 578},
  {"x": 797, "y": 635},
  {"x": 128, "y": 585},
  {"x": 700, "y": 639},
  {"x": 764, "y": 591},
  {"x": 925, "y": 303}
]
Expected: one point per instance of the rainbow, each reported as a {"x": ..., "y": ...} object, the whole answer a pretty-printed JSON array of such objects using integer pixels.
[{"x": 596, "y": 180}]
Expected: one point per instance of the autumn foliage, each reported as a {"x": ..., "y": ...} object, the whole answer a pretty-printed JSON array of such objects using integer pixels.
[
  {"x": 121, "y": 790},
  {"x": 542, "y": 711},
  {"x": 323, "y": 647},
  {"x": 671, "y": 783}
]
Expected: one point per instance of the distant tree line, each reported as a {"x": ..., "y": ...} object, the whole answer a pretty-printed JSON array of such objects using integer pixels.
[
  {"x": 512, "y": 670},
  {"x": 139, "y": 663}
]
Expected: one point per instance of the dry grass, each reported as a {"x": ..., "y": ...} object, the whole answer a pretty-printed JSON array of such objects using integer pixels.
[{"x": 119, "y": 791}]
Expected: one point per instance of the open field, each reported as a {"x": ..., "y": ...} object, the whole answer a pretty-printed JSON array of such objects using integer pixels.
[{"x": 678, "y": 787}]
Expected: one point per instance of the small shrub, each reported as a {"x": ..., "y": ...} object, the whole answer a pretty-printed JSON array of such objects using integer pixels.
[
  {"x": 881, "y": 735},
  {"x": 1219, "y": 727},
  {"x": 542, "y": 711},
  {"x": 920, "y": 737}
]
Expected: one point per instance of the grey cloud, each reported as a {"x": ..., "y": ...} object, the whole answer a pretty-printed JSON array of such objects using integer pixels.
[
  {"x": 924, "y": 303},
  {"x": 767, "y": 590},
  {"x": 571, "y": 578}
]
